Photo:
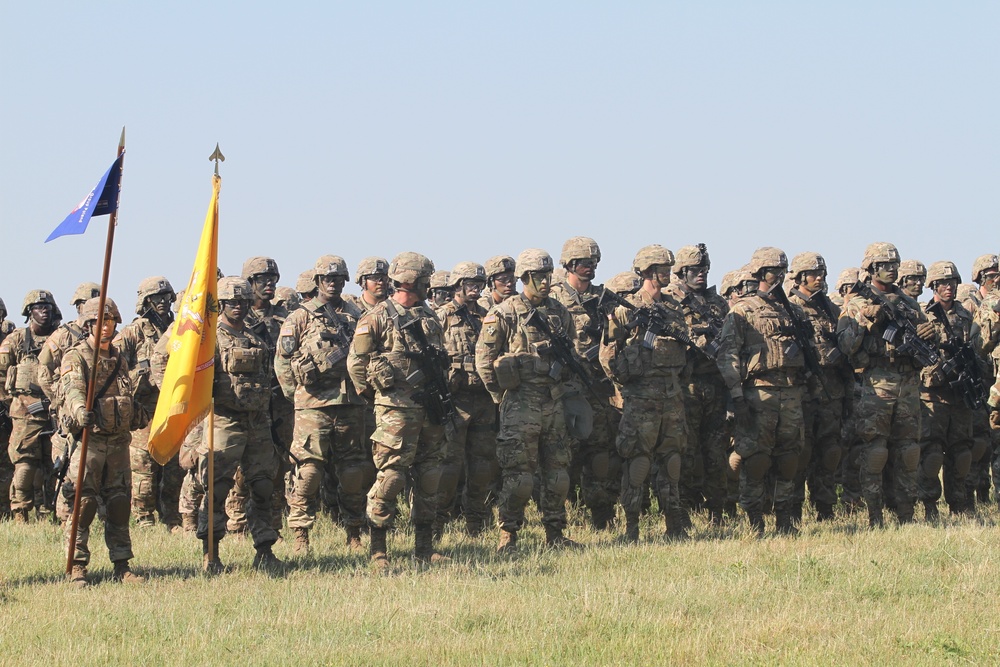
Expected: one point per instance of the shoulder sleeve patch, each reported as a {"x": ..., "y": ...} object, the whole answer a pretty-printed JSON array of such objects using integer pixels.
[
  {"x": 4, "y": 347},
  {"x": 490, "y": 319},
  {"x": 362, "y": 330},
  {"x": 287, "y": 329}
]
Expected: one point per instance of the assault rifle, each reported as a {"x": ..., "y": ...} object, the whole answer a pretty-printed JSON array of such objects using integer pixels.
[
  {"x": 712, "y": 326},
  {"x": 961, "y": 369},
  {"x": 430, "y": 375},
  {"x": 801, "y": 331},
  {"x": 900, "y": 326},
  {"x": 561, "y": 348},
  {"x": 59, "y": 470},
  {"x": 651, "y": 318}
]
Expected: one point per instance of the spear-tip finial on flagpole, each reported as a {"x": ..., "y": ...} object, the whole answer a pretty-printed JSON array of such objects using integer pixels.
[
  {"x": 218, "y": 157},
  {"x": 121, "y": 142}
]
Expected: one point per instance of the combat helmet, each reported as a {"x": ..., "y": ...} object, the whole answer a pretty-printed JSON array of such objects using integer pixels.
[
  {"x": 330, "y": 265},
  {"x": 579, "y": 247},
  {"x": 942, "y": 271},
  {"x": 232, "y": 288},
  {"x": 306, "y": 282},
  {"x": 409, "y": 267},
  {"x": 498, "y": 264},
  {"x": 728, "y": 282},
  {"x": 847, "y": 278},
  {"x": 466, "y": 271},
  {"x": 39, "y": 296},
  {"x": 767, "y": 257},
  {"x": 651, "y": 255},
  {"x": 371, "y": 266},
  {"x": 533, "y": 259},
  {"x": 806, "y": 261},
  {"x": 440, "y": 280},
  {"x": 258, "y": 265},
  {"x": 149, "y": 287},
  {"x": 3, "y": 309},
  {"x": 691, "y": 256},
  {"x": 626, "y": 282},
  {"x": 85, "y": 291},
  {"x": 90, "y": 310},
  {"x": 984, "y": 263},
  {"x": 287, "y": 297},
  {"x": 911, "y": 267},
  {"x": 880, "y": 251}
]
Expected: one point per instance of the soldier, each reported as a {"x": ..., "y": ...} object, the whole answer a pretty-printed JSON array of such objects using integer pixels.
[
  {"x": 441, "y": 292},
  {"x": 329, "y": 428},
  {"x": 154, "y": 487},
  {"x": 305, "y": 285},
  {"x": 242, "y": 433},
  {"x": 265, "y": 320},
  {"x": 595, "y": 456},
  {"x": 912, "y": 276},
  {"x": 114, "y": 413},
  {"x": 474, "y": 443},
  {"x": 823, "y": 405},
  {"x": 985, "y": 272},
  {"x": 946, "y": 420},
  {"x": 762, "y": 362},
  {"x": 645, "y": 359},
  {"x": 499, "y": 279},
  {"x": 287, "y": 298},
  {"x": 887, "y": 408},
  {"x": 27, "y": 404},
  {"x": 703, "y": 470},
  {"x": 373, "y": 280},
  {"x": 845, "y": 281},
  {"x": 395, "y": 355},
  {"x": 6, "y": 467},
  {"x": 515, "y": 358}
]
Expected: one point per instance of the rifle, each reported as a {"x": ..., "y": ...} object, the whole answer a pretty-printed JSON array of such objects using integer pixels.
[
  {"x": 923, "y": 354},
  {"x": 592, "y": 305},
  {"x": 435, "y": 395},
  {"x": 59, "y": 469},
  {"x": 712, "y": 325},
  {"x": 802, "y": 332},
  {"x": 653, "y": 320},
  {"x": 561, "y": 348},
  {"x": 961, "y": 369}
]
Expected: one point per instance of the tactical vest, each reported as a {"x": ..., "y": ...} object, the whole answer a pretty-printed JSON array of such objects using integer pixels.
[
  {"x": 960, "y": 320},
  {"x": 769, "y": 347},
  {"x": 589, "y": 329},
  {"x": 113, "y": 406},
  {"x": 874, "y": 344},
  {"x": 823, "y": 316},
  {"x": 461, "y": 330},
  {"x": 528, "y": 344},
  {"x": 243, "y": 377}
]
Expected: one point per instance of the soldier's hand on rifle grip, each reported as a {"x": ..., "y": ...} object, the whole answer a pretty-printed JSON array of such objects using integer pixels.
[
  {"x": 926, "y": 331},
  {"x": 85, "y": 418}
]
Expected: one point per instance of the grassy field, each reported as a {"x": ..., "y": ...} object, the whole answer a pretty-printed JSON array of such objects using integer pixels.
[{"x": 838, "y": 594}]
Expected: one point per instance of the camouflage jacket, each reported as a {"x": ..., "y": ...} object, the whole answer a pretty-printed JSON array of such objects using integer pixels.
[
  {"x": 588, "y": 322},
  {"x": 114, "y": 408},
  {"x": 58, "y": 343},
  {"x": 987, "y": 319},
  {"x": 486, "y": 301},
  {"x": 757, "y": 346},
  {"x": 703, "y": 312},
  {"x": 861, "y": 338},
  {"x": 964, "y": 330},
  {"x": 823, "y": 316},
  {"x": 311, "y": 359},
  {"x": 136, "y": 342},
  {"x": 20, "y": 376},
  {"x": 359, "y": 301},
  {"x": 242, "y": 373},
  {"x": 460, "y": 327},
  {"x": 384, "y": 357}
]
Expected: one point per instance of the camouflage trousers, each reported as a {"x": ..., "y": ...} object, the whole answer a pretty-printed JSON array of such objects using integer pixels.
[
  {"x": 822, "y": 451},
  {"x": 599, "y": 462},
  {"x": 471, "y": 450},
  {"x": 6, "y": 469},
  {"x": 155, "y": 488},
  {"x": 772, "y": 443},
  {"x": 887, "y": 424},
  {"x": 982, "y": 456},
  {"x": 107, "y": 475},
  {"x": 30, "y": 451},
  {"x": 405, "y": 442},
  {"x": 532, "y": 438},
  {"x": 653, "y": 431},
  {"x": 329, "y": 441},
  {"x": 192, "y": 493},
  {"x": 704, "y": 460},
  {"x": 241, "y": 439},
  {"x": 283, "y": 422},
  {"x": 945, "y": 442}
]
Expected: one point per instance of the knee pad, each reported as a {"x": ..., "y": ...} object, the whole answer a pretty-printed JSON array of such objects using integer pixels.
[
  {"x": 932, "y": 462},
  {"x": 308, "y": 479},
  {"x": 672, "y": 468},
  {"x": 88, "y": 510},
  {"x": 558, "y": 482},
  {"x": 352, "y": 479},
  {"x": 24, "y": 477},
  {"x": 521, "y": 487},
  {"x": 963, "y": 462},
  {"x": 873, "y": 461},
  {"x": 261, "y": 490},
  {"x": 788, "y": 465},
  {"x": 117, "y": 510},
  {"x": 909, "y": 455},
  {"x": 600, "y": 465},
  {"x": 831, "y": 458},
  {"x": 757, "y": 465},
  {"x": 429, "y": 480},
  {"x": 390, "y": 482},
  {"x": 638, "y": 471}
]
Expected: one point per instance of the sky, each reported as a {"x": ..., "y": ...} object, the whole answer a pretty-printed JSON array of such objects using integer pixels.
[{"x": 464, "y": 130}]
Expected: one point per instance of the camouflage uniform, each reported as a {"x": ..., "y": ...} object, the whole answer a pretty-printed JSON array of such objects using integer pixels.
[
  {"x": 823, "y": 405},
  {"x": 983, "y": 446},
  {"x": 515, "y": 362},
  {"x": 762, "y": 365},
  {"x": 29, "y": 447},
  {"x": 329, "y": 420},
  {"x": 887, "y": 408},
  {"x": 242, "y": 429},
  {"x": 705, "y": 459},
  {"x": 499, "y": 265},
  {"x": 382, "y": 361},
  {"x": 107, "y": 471},
  {"x": 6, "y": 467},
  {"x": 154, "y": 487}
]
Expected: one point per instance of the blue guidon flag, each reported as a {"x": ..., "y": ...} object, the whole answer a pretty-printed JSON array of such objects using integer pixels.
[{"x": 104, "y": 204}]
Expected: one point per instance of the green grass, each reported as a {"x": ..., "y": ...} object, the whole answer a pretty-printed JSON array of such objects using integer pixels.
[{"x": 838, "y": 594}]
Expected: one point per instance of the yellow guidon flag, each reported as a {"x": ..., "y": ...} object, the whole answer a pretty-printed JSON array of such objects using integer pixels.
[{"x": 186, "y": 392}]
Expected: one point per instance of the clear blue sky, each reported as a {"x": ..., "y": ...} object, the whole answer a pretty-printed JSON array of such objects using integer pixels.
[{"x": 463, "y": 130}]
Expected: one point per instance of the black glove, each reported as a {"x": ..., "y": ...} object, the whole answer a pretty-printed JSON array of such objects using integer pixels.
[{"x": 926, "y": 331}]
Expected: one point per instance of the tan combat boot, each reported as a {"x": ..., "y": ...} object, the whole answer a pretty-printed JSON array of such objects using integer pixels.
[
  {"x": 508, "y": 542},
  {"x": 301, "y": 546},
  {"x": 266, "y": 560},
  {"x": 190, "y": 522},
  {"x": 20, "y": 516},
  {"x": 554, "y": 539},
  {"x": 213, "y": 565},
  {"x": 378, "y": 550},
  {"x": 354, "y": 539},
  {"x": 78, "y": 576},
  {"x": 423, "y": 546},
  {"x": 124, "y": 574}
]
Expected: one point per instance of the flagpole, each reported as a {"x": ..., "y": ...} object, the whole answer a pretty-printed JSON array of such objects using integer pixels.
[
  {"x": 95, "y": 360},
  {"x": 211, "y": 482}
]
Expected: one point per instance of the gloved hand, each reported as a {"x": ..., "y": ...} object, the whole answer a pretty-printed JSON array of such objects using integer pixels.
[
  {"x": 925, "y": 331},
  {"x": 872, "y": 312},
  {"x": 85, "y": 418}
]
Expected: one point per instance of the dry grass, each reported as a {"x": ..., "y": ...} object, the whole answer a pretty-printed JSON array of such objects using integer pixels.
[{"x": 838, "y": 594}]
